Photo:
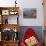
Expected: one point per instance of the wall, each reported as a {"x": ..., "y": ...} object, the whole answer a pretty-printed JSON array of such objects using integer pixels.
[
  {"x": 32, "y": 4},
  {"x": 7, "y": 3},
  {"x": 27, "y": 4}
]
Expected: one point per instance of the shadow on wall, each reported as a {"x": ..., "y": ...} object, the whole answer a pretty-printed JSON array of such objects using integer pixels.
[{"x": 37, "y": 29}]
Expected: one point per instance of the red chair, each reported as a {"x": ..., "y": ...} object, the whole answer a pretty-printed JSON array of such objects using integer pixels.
[{"x": 29, "y": 33}]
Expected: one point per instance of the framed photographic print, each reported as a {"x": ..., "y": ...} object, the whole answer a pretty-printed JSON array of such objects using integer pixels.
[
  {"x": 5, "y": 12},
  {"x": 29, "y": 12},
  {"x": 11, "y": 12}
]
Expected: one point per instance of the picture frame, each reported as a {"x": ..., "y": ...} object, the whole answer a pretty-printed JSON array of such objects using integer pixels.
[
  {"x": 5, "y": 12},
  {"x": 13, "y": 12},
  {"x": 29, "y": 13}
]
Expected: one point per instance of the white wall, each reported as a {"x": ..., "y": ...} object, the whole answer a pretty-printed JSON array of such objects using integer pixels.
[
  {"x": 27, "y": 4},
  {"x": 7, "y": 3},
  {"x": 32, "y": 4}
]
